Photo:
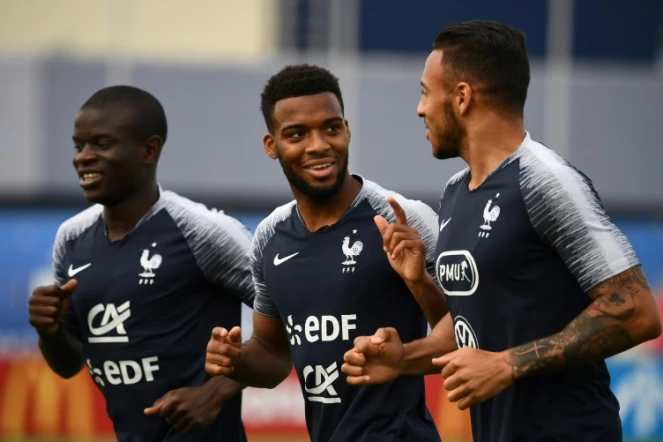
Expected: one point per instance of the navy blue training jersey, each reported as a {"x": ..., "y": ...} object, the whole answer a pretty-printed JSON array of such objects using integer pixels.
[
  {"x": 515, "y": 258},
  {"x": 331, "y": 286},
  {"x": 145, "y": 306}
]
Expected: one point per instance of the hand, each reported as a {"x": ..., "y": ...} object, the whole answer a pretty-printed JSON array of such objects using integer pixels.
[
  {"x": 374, "y": 359},
  {"x": 188, "y": 409},
  {"x": 48, "y": 305},
  {"x": 223, "y": 349},
  {"x": 472, "y": 376},
  {"x": 404, "y": 247}
]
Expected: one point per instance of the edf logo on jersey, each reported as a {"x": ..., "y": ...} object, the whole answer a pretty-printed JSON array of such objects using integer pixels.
[
  {"x": 324, "y": 328},
  {"x": 108, "y": 319},
  {"x": 319, "y": 379}
]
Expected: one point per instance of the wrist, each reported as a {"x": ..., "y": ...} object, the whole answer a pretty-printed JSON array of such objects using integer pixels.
[
  {"x": 509, "y": 366},
  {"x": 419, "y": 284},
  {"x": 51, "y": 335},
  {"x": 407, "y": 360},
  {"x": 221, "y": 389}
]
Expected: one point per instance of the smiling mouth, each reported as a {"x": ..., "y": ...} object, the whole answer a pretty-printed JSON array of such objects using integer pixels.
[
  {"x": 321, "y": 166},
  {"x": 89, "y": 178}
]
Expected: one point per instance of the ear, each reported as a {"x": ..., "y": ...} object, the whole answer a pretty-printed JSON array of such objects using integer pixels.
[
  {"x": 463, "y": 97},
  {"x": 347, "y": 128},
  {"x": 270, "y": 146},
  {"x": 152, "y": 149}
]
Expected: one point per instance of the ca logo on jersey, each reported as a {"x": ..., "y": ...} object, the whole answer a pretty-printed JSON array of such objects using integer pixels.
[
  {"x": 465, "y": 336},
  {"x": 322, "y": 389},
  {"x": 113, "y": 318},
  {"x": 457, "y": 273}
]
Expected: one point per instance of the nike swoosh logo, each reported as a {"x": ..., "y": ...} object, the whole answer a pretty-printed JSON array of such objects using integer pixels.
[
  {"x": 444, "y": 224},
  {"x": 278, "y": 261},
  {"x": 73, "y": 271}
]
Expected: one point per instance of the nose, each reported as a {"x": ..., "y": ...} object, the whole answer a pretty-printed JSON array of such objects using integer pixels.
[
  {"x": 84, "y": 156},
  {"x": 421, "y": 108},
  {"x": 319, "y": 143}
]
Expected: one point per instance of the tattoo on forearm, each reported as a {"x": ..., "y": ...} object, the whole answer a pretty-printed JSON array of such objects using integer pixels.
[{"x": 597, "y": 333}]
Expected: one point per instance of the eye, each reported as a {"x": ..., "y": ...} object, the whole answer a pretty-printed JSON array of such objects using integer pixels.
[
  {"x": 334, "y": 128},
  {"x": 78, "y": 147},
  {"x": 103, "y": 143}
]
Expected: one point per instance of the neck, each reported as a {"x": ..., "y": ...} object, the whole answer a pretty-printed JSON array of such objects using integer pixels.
[
  {"x": 489, "y": 143},
  {"x": 121, "y": 218},
  {"x": 319, "y": 213}
]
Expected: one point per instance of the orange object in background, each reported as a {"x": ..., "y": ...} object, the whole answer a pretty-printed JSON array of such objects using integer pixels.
[{"x": 34, "y": 401}]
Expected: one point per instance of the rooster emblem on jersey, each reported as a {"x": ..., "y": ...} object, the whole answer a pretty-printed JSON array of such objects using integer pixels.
[
  {"x": 351, "y": 251},
  {"x": 489, "y": 215},
  {"x": 149, "y": 264}
]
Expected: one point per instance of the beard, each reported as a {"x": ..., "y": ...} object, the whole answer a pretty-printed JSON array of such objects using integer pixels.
[
  {"x": 448, "y": 142},
  {"x": 314, "y": 192}
]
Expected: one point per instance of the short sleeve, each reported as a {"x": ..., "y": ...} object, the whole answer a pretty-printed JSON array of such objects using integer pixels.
[
  {"x": 220, "y": 245},
  {"x": 569, "y": 216},
  {"x": 224, "y": 257},
  {"x": 263, "y": 303},
  {"x": 70, "y": 320},
  {"x": 423, "y": 218}
]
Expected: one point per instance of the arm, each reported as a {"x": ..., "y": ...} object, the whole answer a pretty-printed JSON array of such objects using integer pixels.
[
  {"x": 222, "y": 388},
  {"x": 55, "y": 321},
  {"x": 383, "y": 357},
  {"x": 431, "y": 300},
  {"x": 428, "y": 294},
  {"x": 63, "y": 352},
  {"x": 418, "y": 355},
  {"x": 263, "y": 361},
  {"x": 623, "y": 314},
  {"x": 410, "y": 244}
]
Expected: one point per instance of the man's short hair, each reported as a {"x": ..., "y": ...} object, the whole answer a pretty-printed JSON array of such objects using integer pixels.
[
  {"x": 296, "y": 81},
  {"x": 150, "y": 115},
  {"x": 491, "y": 55}
]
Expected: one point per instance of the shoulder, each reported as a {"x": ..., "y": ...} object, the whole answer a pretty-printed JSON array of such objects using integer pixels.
[
  {"x": 267, "y": 226},
  {"x": 195, "y": 218},
  {"x": 453, "y": 182},
  {"x": 457, "y": 178},
  {"x": 544, "y": 173},
  {"x": 417, "y": 212},
  {"x": 74, "y": 227}
]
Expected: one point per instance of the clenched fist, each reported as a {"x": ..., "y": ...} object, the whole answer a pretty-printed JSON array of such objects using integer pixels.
[
  {"x": 223, "y": 349},
  {"x": 48, "y": 305}
]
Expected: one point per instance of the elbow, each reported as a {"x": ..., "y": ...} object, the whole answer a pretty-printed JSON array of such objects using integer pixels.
[
  {"x": 69, "y": 372},
  {"x": 654, "y": 328},
  {"x": 649, "y": 328},
  {"x": 280, "y": 375}
]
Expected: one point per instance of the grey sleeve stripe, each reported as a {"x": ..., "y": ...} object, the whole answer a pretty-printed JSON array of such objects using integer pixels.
[
  {"x": 424, "y": 219},
  {"x": 567, "y": 213},
  {"x": 68, "y": 231},
  {"x": 219, "y": 243},
  {"x": 263, "y": 303}
]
